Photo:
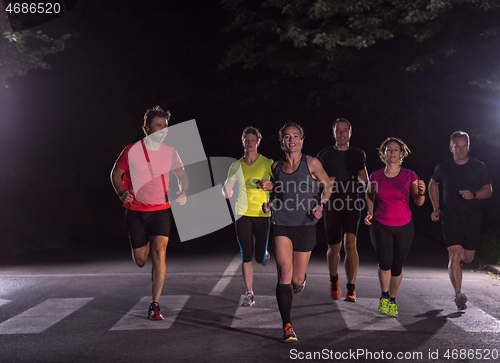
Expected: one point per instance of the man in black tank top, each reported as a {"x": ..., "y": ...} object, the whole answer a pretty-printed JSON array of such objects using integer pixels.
[{"x": 345, "y": 165}]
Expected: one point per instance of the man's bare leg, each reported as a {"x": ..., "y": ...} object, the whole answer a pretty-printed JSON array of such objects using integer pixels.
[
  {"x": 351, "y": 261},
  {"x": 158, "y": 254}
]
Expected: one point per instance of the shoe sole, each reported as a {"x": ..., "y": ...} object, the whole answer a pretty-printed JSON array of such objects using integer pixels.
[
  {"x": 248, "y": 305},
  {"x": 290, "y": 340},
  {"x": 350, "y": 299},
  {"x": 384, "y": 312},
  {"x": 152, "y": 318},
  {"x": 299, "y": 288},
  {"x": 461, "y": 301}
]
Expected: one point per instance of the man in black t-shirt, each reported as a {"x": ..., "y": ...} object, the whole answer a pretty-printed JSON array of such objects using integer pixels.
[
  {"x": 465, "y": 181},
  {"x": 345, "y": 165}
]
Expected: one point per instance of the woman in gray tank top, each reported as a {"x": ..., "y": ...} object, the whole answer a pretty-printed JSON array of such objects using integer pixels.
[{"x": 296, "y": 207}]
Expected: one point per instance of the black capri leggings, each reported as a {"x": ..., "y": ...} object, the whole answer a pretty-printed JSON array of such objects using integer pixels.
[
  {"x": 391, "y": 244},
  {"x": 246, "y": 229}
]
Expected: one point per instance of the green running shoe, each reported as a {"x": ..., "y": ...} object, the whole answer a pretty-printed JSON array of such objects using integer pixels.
[
  {"x": 393, "y": 310},
  {"x": 383, "y": 306}
]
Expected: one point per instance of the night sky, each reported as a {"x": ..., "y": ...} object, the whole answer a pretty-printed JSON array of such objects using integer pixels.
[{"x": 62, "y": 129}]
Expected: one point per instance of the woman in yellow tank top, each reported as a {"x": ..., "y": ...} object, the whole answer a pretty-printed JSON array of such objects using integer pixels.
[{"x": 252, "y": 173}]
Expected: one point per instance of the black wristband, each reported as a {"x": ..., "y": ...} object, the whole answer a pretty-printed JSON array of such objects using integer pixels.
[
  {"x": 474, "y": 194},
  {"x": 322, "y": 205},
  {"x": 421, "y": 194}
]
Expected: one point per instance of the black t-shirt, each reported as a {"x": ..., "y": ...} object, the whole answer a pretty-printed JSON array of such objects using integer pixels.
[
  {"x": 344, "y": 165},
  {"x": 469, "y": 176}
]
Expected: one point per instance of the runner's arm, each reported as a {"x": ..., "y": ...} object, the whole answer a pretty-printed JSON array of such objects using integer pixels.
[
  {"x": 434, "y": 195},
  {"x": 320, "y": 174},
  {"x": 116, "y": 176},
  {"x": 183, "y": 182},
  {"x": 418, "y": 192},
  {"x": 370, "y": 197}
]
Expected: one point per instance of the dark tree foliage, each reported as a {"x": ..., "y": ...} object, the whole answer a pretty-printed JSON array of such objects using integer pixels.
[
  {"x": 318, "y": 38},
  {"x": 25, "y": 50},
  {"x": 421, "y": 55}
]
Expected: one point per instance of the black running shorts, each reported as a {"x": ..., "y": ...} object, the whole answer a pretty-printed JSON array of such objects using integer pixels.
[
  {"x": 303, "y": 237},
  {"x": 465, "y": 233},
  {"x": 142, "y": 225},
  {"x": 339, "y": 222}
]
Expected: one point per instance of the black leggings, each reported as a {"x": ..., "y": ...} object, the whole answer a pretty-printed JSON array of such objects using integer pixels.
[
  {"x": 391, "y": 244},
  {"x": 246, "y": 229}
]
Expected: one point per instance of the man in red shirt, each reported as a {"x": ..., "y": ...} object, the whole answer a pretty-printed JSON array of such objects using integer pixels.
[{"x": 140, "y": 178}]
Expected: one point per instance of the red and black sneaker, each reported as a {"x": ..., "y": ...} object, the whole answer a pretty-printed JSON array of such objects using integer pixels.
[
  {"x": 288, "y": 334},
  {"x": 350, "y": 295},
  {"x": 154, "y": 312},
  {"x": 334, "y": 289}
]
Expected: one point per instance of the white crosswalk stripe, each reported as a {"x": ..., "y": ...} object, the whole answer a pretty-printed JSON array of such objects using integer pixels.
[
  {"x": 364, "y": 315},
  {"x": 472, "y": 319},
  {"x": 42, "y": 316},
  {"x": 227, "y": 276},
  {"x": 264, "y": 314},
  {"x": 136, "y": 318}
]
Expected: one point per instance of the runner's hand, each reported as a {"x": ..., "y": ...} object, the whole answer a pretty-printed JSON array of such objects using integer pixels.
[
  {"x": 435, "y": 215},
  {"x": 317, "y": 212},
  {"x": 266, "y": 207},
  {"x": 466, "y": 194},
  {"x": 181, "y": 197},
  {"x": 127, "y": 196},
  {"x": 228, "y": 192},
  {"x": 266, "y": 185},
  {"x": 421, "y": 187},
  {"x": 368, "y": 219}
]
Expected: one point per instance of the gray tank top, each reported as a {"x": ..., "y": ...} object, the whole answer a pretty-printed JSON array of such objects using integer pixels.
[{"x": 295, "y": 195}]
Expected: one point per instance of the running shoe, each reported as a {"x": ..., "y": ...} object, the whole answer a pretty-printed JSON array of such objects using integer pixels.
[
  {"x": 248, "y": 300},
  {"x": 299, "y": 288},
  {"x": 154, "y": 312},
  {"x": 461, "y": 300},
  {"x": 288, "y": 334},
  {"x": 335, "y": 289},
  {"x": 350, "y": 295},
  {"x": 393, "y": 310},
  {"x": 383, "y": 306},
  {"x": 266, "y": 260}
]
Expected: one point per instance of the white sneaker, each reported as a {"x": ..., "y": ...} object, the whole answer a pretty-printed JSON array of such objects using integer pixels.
[
  {"x": 266, "y": 260},
  {"x": 248, "y": 300},
  {"x": 461, "y": 300}
]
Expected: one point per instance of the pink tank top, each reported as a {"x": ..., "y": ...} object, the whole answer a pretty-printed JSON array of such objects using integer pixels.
[{"x": 393, "y": 197}]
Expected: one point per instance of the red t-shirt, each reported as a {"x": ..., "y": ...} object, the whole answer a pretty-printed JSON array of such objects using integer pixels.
[
  {"x": 145, "y": 178},
  {"x": 393, "y": 197}
]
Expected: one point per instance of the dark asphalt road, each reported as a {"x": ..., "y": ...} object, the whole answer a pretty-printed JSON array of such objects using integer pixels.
[{"x": 98, "y": 320}]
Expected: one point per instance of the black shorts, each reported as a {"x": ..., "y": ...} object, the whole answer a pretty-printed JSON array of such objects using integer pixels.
[
  {"x": 463, "y": 233},
  {"x": 142, "y": 225},
  {"x": 303, "y": 237},
  {"x": 339, "y": 221}
]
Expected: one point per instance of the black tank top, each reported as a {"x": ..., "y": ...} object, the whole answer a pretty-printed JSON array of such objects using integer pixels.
[{"x": 295, "y": 195}]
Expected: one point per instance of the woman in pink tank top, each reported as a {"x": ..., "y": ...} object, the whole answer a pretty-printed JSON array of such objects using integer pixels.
[{"x": 391, "y": 226}]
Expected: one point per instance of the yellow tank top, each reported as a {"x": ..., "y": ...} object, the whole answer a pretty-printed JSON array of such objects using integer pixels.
[{"x": 250, "y": 194}]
